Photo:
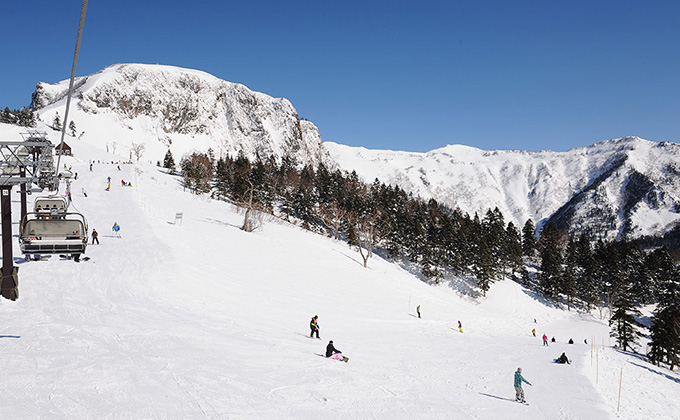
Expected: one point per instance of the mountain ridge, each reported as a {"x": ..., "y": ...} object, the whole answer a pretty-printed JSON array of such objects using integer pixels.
[{"x": 585, "y": 190}]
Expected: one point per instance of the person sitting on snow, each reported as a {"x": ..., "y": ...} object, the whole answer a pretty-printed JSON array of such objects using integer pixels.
[
  {"x": 333, "y": 353},
  {"x": 571, "y": 341},
  {"x": 563, "y": 359}
]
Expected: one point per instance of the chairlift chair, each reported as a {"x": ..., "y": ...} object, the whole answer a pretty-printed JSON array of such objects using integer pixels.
[{"x": 41, "y": 233}]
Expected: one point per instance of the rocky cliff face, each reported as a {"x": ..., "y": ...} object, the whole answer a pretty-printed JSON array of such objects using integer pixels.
[
  {"x": 185, "y": 110},
  {"x": 620, "y": 188}
]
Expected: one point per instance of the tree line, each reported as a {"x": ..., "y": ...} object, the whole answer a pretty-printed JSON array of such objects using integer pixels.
[
  {"x": 24, "y": 117},
  {"x": 615, "y": 276}
]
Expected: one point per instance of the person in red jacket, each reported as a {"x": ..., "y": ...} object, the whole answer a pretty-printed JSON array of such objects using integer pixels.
[{"x": 545, "y": 340}]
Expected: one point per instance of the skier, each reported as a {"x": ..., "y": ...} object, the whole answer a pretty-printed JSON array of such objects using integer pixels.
[
  {"x": 95, "y": 236},
  {"x": 460, "y": 327},
  {"x": 545, "y": 340},
  {"x": 84, "y": 192},
  {"x": 333, "y": 353},
  {"x": 90, "y": 167},
  {"x": 314, "y": 326},
  {"x": 418, "y": 310},
  {"x": 519, "y": 392},
  {"x": 534, "y": 332},
  {"x": 116, "y": 229},
  {"x": 562, "y": 359}
]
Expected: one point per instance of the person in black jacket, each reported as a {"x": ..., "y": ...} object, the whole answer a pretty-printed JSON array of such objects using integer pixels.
[
  {"x": 314, "y": 326},
  {"x": 563, "y": 359},
  {"x": 333, "y": 353}
]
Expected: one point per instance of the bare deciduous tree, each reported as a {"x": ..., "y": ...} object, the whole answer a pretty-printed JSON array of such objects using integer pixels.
[
  {"x": 253, "y": 212},
  {"x": 138, "y": 150},
  {"x": 333, "y": 217}
]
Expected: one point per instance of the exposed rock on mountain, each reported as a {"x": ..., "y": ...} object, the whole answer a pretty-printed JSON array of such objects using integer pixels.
[{"x": 162, "y": 106}]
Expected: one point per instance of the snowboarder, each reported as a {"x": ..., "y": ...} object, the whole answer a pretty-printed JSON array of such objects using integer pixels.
[
  {"x": 552, "y": 339},
  {"x": 460, "y": 327},
  {"x": 108, "y": 178},
  {"x": 519, "y": 392},
  {"x": 545, "y": 340},
  {"x": 562, "y": 359},
  {"x": 571, "y": 341},
  {"x": 116, "y": 229},
  {"x": 418, "y": 310},
  {"x": 95, "y": 236},
  {"x": 534, "y": 332},
  {"x": 333, "y": 353},
  {"x": 314, "y": 326}
]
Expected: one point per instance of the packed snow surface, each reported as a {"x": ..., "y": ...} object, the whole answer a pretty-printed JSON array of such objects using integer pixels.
[{"x": 200, "y": 319}]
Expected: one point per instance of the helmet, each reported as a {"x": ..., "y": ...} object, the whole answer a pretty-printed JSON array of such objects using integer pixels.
[
  {"x": 519, "y": 370},
  {"x": 316, "y": 316},
  {"x": 330, "y": 342}
]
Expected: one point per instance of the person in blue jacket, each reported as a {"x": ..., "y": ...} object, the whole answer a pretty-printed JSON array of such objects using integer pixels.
[
  {"x": 519, "y": 392},
  {"x": 116, "y": 229}
]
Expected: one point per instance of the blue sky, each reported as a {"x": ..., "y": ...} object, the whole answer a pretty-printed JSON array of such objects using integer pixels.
[{"x": 398, "y": 75}]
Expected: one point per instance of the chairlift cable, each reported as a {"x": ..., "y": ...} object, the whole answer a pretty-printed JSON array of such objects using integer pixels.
[{"x": 83, "y": 10}]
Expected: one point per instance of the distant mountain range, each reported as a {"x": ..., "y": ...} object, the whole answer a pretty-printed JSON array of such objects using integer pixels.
[{"x": 615, "y": 189}]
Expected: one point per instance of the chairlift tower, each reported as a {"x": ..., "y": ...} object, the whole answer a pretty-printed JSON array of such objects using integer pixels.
[{"x": 28, "y": 163}]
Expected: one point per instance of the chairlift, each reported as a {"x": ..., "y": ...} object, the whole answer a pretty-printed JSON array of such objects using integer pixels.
[
  {"x": 41, "y": 233},
  {"x": 53, "y": 205}
]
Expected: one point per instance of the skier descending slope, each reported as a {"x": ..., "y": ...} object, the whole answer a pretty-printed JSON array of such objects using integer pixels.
[{"x": 519, "y": 392}]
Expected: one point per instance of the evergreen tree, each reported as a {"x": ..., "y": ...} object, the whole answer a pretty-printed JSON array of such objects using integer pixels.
[
  {"x": 586, "y": 272},
  {"x": 169, "y": 162},
  {"x": 56, "y": 123},
  {"x": 26, "y": 118},
  {"x": 551, "y": 260},
  {"x": 625, "y": 327},
  {"x": 72, "y": 128},
  {"x": 484, "y": 268},
  {"x": 529, "y": 238},
  {"x": 665, "y": 330},
  {"x": 513, "y": 248}
]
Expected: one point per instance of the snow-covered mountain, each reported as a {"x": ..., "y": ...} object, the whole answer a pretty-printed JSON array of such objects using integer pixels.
[
  {"x": 618, "y": 188},
  {"x": 165, "y": 107}
]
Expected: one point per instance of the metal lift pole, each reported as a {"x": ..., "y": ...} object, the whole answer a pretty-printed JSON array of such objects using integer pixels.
[
  {"x": 9, "y": 278},
  {"x": 22, "y": 193}
]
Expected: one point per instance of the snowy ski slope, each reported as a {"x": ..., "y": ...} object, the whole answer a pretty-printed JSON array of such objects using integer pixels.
[{"x": 205, "y": 321}]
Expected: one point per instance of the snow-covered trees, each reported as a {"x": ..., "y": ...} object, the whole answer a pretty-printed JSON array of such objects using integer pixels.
[
  {"x": 23, "y": 117},
  {"x": 169, "y": 162},
  {"x": 56, "y": 122}
]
